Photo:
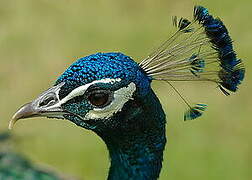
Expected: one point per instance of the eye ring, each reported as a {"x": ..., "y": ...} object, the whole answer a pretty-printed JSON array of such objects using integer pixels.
[{"x": 99, "y": 98}]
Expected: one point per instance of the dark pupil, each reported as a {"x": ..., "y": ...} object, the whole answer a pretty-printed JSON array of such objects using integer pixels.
[{"x": 98, "y": 99}]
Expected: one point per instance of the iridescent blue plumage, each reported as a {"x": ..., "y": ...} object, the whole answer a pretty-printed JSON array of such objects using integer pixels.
[
  {"x": 104, "y": 65},
  {"x": 232, "y": 73}
]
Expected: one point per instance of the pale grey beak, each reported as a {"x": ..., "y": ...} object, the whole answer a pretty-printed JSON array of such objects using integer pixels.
[
  {"x": 26, "y": 111},
  {"x": 46, "y": 105}
]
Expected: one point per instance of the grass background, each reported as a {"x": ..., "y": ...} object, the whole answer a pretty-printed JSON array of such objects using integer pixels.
[{"x": 40, "y": 39}]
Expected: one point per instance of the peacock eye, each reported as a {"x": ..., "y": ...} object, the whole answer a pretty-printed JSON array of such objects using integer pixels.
[{"x": 99, "y": 99}]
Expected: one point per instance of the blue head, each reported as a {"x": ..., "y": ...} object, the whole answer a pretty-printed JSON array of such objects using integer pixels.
[
  {"x": 110, "y": 94},
  {"x": 95, "y": 91}
]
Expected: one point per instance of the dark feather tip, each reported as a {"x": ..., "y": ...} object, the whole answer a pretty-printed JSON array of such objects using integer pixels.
[
  {"x": 232, "y": 78},
  {"x": 197, "y": 64},
  {"x": 200, "y": 13},
  {"x": 195, "y": 112},
  {"x": 182, "y": 24},
  {"x": 232, "y": 72}
]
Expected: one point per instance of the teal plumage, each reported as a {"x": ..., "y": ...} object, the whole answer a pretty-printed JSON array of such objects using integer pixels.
[{"x": 14, "y": 166}]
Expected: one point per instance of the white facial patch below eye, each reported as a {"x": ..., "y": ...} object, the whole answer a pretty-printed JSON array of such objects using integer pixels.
[{"x": 121, "y": 96}]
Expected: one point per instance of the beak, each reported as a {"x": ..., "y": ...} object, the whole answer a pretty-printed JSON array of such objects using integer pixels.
[
  {"x": 46, "y": 104},
  {"x": 26, "y": 111}
]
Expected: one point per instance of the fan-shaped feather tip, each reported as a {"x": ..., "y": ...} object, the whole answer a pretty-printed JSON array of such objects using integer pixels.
[{"x": 195, "y": 112}]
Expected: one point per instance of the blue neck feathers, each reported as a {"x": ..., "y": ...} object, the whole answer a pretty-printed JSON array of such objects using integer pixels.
[{"x": 136, "y": 145}]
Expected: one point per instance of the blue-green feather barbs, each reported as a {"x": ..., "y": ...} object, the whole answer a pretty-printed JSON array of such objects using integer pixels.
[
  {"x": 195, "y": 112},
  {"x": 200, "y": 50}
]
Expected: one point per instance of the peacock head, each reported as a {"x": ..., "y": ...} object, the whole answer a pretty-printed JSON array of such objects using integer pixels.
[
  {"x": 110, "y": 94},
  {"x": 108, "y": 87},
  {"x": 94, "y": 92}
]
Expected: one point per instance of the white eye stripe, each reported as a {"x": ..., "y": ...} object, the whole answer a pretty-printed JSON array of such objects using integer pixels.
[
  {"x": 82, "y": 89},
  {"x": 121, "y": 96}
]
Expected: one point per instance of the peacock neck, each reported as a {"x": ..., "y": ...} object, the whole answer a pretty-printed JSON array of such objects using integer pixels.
[
  {"x": 142, "y": 160},
  {"x": 136, "y": 146}
]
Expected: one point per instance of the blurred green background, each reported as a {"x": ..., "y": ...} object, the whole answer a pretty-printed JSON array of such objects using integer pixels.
[{"x": 40, "y": 39}]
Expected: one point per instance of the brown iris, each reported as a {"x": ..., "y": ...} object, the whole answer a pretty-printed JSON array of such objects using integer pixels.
[{"x": 98, "y": 98}]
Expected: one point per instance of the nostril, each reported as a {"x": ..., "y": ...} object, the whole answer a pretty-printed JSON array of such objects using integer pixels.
[{"x": 47, "y": 101}]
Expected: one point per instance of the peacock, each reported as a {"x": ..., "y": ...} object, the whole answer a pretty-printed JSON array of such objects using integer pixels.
[{"x": 111, "y": 95}]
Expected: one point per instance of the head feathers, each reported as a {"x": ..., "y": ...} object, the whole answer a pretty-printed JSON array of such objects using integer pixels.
[{"x": 200, "y": 50}]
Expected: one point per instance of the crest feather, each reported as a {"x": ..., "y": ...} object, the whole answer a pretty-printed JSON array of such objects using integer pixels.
[{"x": 200, "y": 50}]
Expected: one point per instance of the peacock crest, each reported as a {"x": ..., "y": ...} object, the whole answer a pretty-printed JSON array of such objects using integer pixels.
[{"x": 200, "y": 50}]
